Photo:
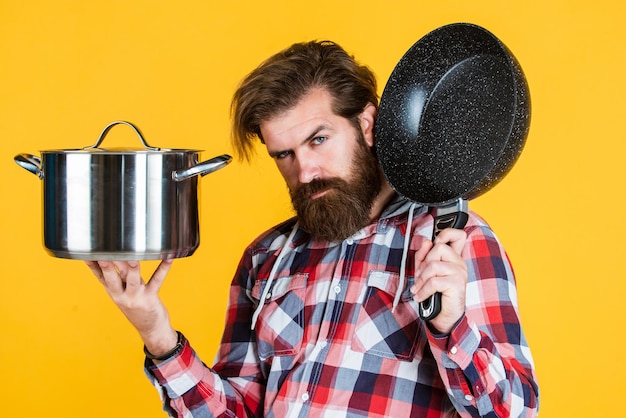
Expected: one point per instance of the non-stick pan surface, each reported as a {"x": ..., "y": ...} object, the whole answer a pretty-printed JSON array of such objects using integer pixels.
[{"x": 453, "y": 117}]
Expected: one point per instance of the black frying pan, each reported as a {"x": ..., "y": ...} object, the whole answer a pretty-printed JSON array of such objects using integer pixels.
[{"x": 452, "y": 121}]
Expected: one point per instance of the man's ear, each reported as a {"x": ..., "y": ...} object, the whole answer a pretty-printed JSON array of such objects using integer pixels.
[{"x": 366, "y": 119}]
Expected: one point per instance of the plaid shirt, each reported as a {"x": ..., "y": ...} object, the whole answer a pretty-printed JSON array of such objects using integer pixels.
[{"x": 327, "y": 343}]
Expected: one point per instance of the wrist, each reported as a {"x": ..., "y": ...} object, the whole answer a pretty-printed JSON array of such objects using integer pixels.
[{"x": 165, "y": 347}]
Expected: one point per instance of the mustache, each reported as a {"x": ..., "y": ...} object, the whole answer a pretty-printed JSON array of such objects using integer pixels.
[{"x": 306, "y": 190}]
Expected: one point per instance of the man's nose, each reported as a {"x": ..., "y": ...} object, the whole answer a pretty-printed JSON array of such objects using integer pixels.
[{"x": 308, "y": 169}]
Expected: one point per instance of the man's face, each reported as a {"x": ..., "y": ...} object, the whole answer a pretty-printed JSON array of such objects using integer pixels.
[{"x": 332, "y": 175}]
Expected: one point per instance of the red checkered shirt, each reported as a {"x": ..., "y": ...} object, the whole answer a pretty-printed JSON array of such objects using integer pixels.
[{"x": 327, "y": 342}]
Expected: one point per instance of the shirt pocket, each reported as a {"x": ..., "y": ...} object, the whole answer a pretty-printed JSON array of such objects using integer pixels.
[
  {"x": 378, "y": 330},
  {"x": 280, "y": 325}
]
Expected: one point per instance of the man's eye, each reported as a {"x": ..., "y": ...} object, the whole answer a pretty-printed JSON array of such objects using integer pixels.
[
  {"x": 282, "y": 155},
  {"x": 319, "y": 139}
]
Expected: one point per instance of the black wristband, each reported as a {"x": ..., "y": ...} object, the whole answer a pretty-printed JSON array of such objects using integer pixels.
[{"x": 177, "y": 349}]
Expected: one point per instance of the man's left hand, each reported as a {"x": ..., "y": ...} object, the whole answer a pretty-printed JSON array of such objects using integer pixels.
[{"x": 440, "y": 268}]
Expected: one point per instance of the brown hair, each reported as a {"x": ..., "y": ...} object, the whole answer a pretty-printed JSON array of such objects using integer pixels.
[{"x": 281, "y": 81}]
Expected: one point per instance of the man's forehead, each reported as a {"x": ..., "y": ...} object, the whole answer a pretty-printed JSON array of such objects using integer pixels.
[{"x": 312, "y": 113}]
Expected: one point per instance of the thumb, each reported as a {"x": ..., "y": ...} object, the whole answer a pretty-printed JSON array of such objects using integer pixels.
[
  {"x": 423, "y": 250},
  {"x": 156, "y": 281}
]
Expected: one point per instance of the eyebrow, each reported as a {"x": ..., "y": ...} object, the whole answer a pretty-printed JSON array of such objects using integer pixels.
[{"x": 311, "y": 136}]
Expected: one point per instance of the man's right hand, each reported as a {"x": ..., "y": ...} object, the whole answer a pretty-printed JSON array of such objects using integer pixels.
[{"x": 139, "y": 301}]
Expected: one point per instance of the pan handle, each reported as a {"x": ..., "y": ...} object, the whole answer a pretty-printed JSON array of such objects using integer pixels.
[
  {"x": 30, "y": 162},
  {"x": 453, "y": 215},
  {"x": 202, "y": 168}
]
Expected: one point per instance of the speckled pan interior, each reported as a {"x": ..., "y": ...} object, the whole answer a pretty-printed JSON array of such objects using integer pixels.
[{"x": 453, "y": 117}]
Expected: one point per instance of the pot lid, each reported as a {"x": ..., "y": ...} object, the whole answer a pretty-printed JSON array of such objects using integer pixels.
[
  {"x": 120, "y": 150},
  {"x": 96, "y": 148}
]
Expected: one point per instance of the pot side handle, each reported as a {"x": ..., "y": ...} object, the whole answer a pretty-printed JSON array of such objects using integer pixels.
[
  {"x": 30, "y": 162},
  {"x": 202, "y": 168}
]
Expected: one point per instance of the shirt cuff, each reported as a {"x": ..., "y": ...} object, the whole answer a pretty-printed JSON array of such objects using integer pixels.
[
  {"x": 179, "y": 373},
  {"x": 457, "y": 348}
]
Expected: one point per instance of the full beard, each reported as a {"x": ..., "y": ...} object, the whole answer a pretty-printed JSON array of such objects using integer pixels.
[{"x": 346, "y": 207}]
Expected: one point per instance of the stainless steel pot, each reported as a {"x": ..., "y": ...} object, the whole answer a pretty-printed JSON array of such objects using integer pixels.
[{"x": 120, "y": 204}]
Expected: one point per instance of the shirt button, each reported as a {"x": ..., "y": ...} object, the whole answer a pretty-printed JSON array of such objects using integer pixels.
[
  {"x": 453, "y": 350},
  {"x": 337, "y": 289},
  {"x": 305, "y": 396},
  {"x": 468, "y": 397},
  {"x": 268, "y": 296},
  {"x": 350, "y": 241},
  {"x": 324, "y": 343}
]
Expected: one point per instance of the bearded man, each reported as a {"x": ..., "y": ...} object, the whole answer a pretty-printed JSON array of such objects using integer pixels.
[{"x": 323, "y": 317}]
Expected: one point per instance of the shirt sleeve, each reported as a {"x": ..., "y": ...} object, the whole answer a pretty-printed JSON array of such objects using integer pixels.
[
  {"x": 234, "y": 387},
  {"x": 485, "y": 362}
]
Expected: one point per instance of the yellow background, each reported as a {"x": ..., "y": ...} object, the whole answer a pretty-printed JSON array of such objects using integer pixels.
[{"x": 69, "y": 67}]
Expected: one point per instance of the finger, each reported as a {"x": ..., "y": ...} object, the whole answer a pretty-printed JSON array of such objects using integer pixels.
[
  {"x": 453, "y": 237},
  {"x": 122, "y": 268},
  {"x": 438, "y": 277},
  {"x": 155, "y": 282},
  {"x": 111, "y": 277},
  {"x": 130, "y": 272},
  {"x": 442, "y": 269},
  {"x": 440, "y": 262},
  {"x": 426, "y": 288},
  {"x": 425, "y": 256},
  {"x": 444, "y": 253},
  {"x": 424, "y": 247}
]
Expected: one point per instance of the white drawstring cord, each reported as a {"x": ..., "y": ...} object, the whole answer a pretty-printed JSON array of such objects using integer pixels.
[
  {"x": 270, "y": 279},
  {"x": 405, "y": 250}
]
